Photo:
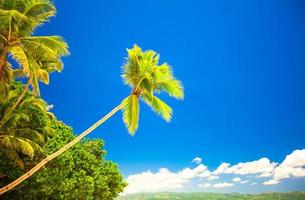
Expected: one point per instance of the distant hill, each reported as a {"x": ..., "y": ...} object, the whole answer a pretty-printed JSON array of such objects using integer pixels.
[{"x": 216, "y": 196}]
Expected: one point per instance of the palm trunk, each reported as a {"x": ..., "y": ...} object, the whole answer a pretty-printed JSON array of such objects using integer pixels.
[
  {"x": 15, "y": 105},
  {"x": 58, "y": 152},
  {"x": 2, "y": 62}
]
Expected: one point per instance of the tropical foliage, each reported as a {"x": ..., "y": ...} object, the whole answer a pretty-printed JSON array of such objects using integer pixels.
[
  {"x": 146, "y": 77},
  {"x": 26, "y": 129},
  {"x": 81, "y": 173},
  {"x": 37, "y": 56}
]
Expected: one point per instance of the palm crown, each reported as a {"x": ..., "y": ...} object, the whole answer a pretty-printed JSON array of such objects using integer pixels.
[
  {"x": 146, "y": 77},
  {"x": 36, "y": 55}
]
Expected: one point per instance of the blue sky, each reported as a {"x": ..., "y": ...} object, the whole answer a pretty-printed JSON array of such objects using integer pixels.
[{"x": 243, "y": 68}]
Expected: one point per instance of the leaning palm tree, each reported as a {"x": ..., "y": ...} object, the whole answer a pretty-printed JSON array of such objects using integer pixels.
[
  {"x": 146, "y": 78},
  {"x": 37, "y": 56}
]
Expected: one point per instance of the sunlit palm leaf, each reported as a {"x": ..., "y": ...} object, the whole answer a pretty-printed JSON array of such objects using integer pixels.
[
  {"x": 131, "y": 113},
  {"x": 13, "y": 157},
  {"x": 20, "y": 56},
  {"x": 55, "y": 45},
  {"x": 173, "y": 87},
  {"x": 18, "y": 144},
  {"x": 158, "y": 106}
]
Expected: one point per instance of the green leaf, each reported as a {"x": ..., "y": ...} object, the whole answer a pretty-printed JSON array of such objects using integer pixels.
[
  {"x": 173, "y": 87},
  {"x": 131, "y": 113},
  {"x": 146, "y": 85},
  {"x": 20, "y": 56},
  {"x": 158, "y": 106},
  {"x": 43, "y": 76}
]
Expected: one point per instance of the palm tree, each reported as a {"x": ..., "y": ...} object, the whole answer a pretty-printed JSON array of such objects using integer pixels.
[
  {"x": 146, "y": 77},
  {"x": 26, "y": 129},
  {"x": 37, "y": 56}
]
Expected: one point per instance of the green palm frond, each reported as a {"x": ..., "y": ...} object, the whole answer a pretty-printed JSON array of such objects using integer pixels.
[
  {"x": 131, "y": 113},
  {"x": 20, "y": 56},
  {"x": 163, "y": 71},
  {"x": 20, "y": 145},
  {"x": 158, "y": 106},
  {"x": 45, "y": 47},
  {"x": 14, "y": 157},
  {"x": 30, "y": 134},
  {"x": 173, "y": 87},
  {"x": 12, "y": 20},
  {"x": 40, "y": 10},
  {"x": 21, "y": 17},
  {"x": 52, "y": 65},
  {"x": 131, "y": 68},
  {"x": 30, "y": 68},
  {"x": 43, "y": 76}
]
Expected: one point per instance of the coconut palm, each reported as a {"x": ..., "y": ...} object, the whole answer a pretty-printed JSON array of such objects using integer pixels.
[
  {"x": 146, "y": 78},
  {"x": 26, "y": 128},
  {"x": 37, "y": 56}
]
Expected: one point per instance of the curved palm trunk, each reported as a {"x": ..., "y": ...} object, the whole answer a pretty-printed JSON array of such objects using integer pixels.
[
  {"x": 58, "y": 152},
  {"x": 3, "y": 59}
]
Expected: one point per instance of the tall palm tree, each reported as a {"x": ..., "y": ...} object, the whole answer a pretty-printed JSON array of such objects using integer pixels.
[
  {"x": 37, "y": 56},
  {"x": 146, "y": 77}
]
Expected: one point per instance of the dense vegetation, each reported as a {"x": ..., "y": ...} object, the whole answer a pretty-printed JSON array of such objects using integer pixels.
[
  {"x": 80, "y": 173},
  {"x": 215, "y": 196}
]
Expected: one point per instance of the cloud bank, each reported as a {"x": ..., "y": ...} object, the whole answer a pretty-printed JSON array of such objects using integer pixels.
[{"x": 261, "y": 171}]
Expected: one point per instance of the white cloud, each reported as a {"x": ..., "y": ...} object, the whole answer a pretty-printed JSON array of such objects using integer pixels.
[
  {"x": 271, "y": 182},
  {"x": 236, "y": 179},
  {"x": 212, "y": 177},
  {"x": 292, "y": 166},
  {"x": 205, "y": 174},
  {"x": 162, "y": 180},
  {"x": 154, "y": 182},
  {"x": 222, "y": 185},
  {"x": 166, "y": 180},
  {"x": 205, "y": 185},
  {"x": 221, "y": 168},
  {"x": 264, "y": 175},
  {"x": 261, "y": 166},
  {"x": 197, "y": 160}
]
